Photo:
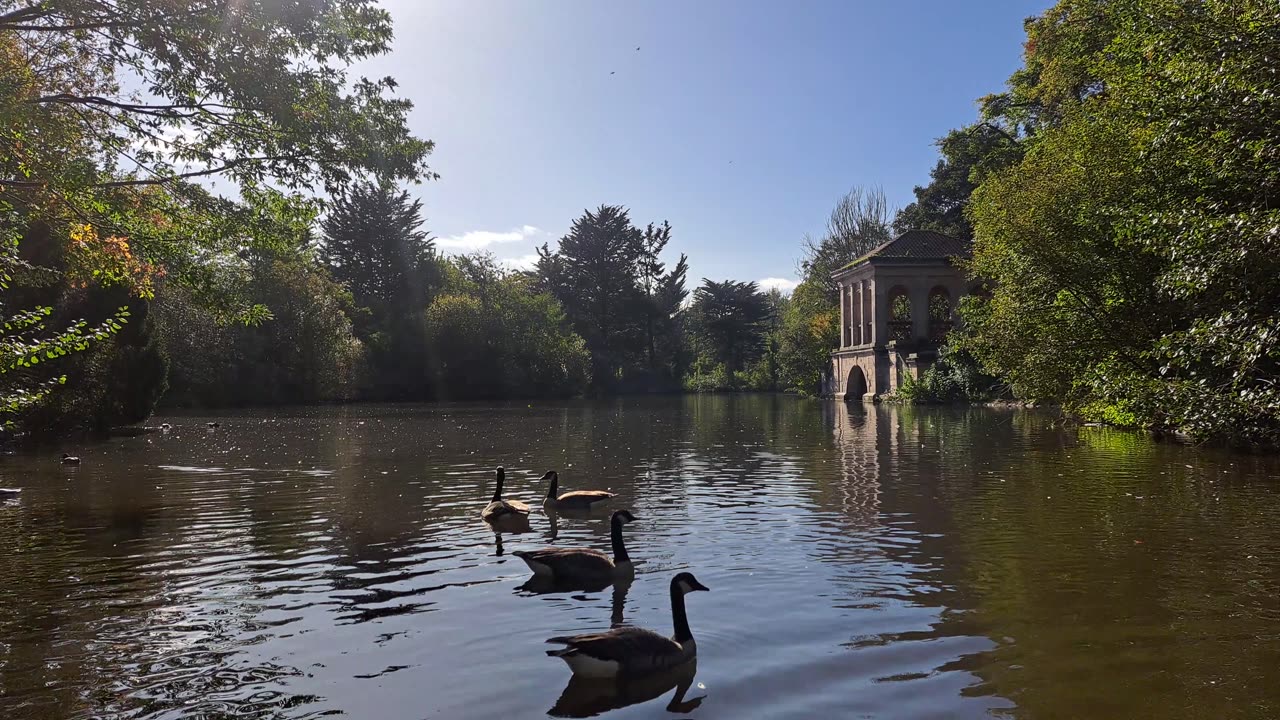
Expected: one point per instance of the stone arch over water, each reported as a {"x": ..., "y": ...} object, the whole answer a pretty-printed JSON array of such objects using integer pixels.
[{"x": 856, "y": 384}]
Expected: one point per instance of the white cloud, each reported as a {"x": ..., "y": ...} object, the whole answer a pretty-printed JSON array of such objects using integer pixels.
[
  {"x": 524, "y": 262},
  {"x": 782, "y": 284},
  {"x": 480, "y": 239}
]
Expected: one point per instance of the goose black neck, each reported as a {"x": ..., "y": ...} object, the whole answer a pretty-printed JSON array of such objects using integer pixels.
[
  {"x": 551, "y": 489},
  {"x": 677, "y": 615},
  {"x": 497, "y": 490},
  {"x": 619, "y": 550}
]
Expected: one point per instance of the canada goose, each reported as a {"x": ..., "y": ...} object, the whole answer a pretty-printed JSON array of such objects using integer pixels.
[
  {"x": 630, "y": 650},
  {"x": 498, "y": 507},
  {"x": 582, "y": 564},
  {"x": 576, "y": 500},
  {"x": 69, "y": 459}
]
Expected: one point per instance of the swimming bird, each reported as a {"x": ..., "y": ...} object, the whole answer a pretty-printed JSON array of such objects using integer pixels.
[
  {"x": 630, "y": 650},
  {"x": 575, "y": 500},
  {"x": 584, "y": 565},
  {"x": 69, "y": 459},
  {"x": 497, "y": 508}
]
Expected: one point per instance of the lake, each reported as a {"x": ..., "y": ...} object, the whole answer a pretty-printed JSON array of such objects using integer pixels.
[{"x": 864, "y": 562}]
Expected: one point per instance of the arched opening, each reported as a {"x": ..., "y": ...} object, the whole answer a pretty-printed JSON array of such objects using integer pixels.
[
  {"x": 899, "y": 314},
  {"x": 856, "y": 384},
  {"x": 939, "y": 314}
]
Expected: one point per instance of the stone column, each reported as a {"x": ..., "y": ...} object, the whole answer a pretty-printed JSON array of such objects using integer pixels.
[
  {"x": 844, "y": 320},
  {"x": 877, "y": 313},
  {"x": 855, "y": 308}
]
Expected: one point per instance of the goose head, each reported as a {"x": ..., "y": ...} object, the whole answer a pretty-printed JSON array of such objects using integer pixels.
[
  {"x": 622, "y": 517},
  {"x": 686, "y": 583},
  {"x": 554, "y": 478}
]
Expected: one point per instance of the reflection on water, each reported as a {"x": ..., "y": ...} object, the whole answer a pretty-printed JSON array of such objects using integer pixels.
[
  {"x": 868, "y": 562},
  {"x": 586, "y": 698},
  {"x": 619, "y": 588}
]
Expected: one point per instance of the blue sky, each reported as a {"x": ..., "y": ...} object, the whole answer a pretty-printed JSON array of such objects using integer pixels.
[{"x": 739, "y": 122}]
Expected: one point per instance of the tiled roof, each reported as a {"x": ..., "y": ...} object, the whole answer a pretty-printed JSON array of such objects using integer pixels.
[{"x": 918, "y": 245}]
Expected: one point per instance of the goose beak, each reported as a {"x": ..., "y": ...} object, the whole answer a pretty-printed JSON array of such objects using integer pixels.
[{"x": 699, "y": 586}]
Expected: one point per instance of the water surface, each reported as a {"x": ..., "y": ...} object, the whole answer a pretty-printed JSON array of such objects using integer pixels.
[{"x": 864, "y": 562}]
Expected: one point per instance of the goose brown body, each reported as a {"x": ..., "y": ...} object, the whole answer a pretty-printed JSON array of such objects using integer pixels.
[
  {"x": 584, "y": 565},
  {"x": 499, "y": 508}
]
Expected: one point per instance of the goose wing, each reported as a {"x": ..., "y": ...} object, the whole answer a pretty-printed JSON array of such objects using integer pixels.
[
  {"x": 567, "y": 562},
  {"x": 586, "y": 496},
  {"x": 631, "y": 647}
]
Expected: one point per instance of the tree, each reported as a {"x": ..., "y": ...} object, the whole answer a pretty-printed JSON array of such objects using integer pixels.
[
  {"x": 968, "y": 155},
  {"x": 731, "y": 316},
  {"x": 766, "y": 373},
  {"x": 495, "y": 335},
  {"x": 810, "y": 330},
  {"x": 664, "y": 294},
  {"x": 607, "y": 276},
  {"x": 113, "y": 107},
  {"x": 31, "y": 356},
  {"x": 305, "y": 352},
  {"x": 110, "y": 110},
  {"x": 374, "y": 244},
  {"x": 859, "y": 223},
  {"x": 1132, "y": 247}
]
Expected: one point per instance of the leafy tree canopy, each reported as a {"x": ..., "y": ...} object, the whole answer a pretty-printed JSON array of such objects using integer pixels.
[{"x": 1133, "y": 248}]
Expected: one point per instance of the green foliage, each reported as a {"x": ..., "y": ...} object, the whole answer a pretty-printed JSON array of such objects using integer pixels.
[
  {"x": 109, "y": 110},
  {"x": 492, "y": 334},
  {"x": 664, "y": 293},
  {"x": 707, "y": 377},
  {"x": 1133, "y": 246},
  {"x": 112, "y": 383},
  {"x": 955, "y": 377},
  {"x": 32, "y": 358},
  {"x": 305, "y": 351},
  {"x": 968, "y": 155},
  {"x": 619, "y": 297},
  {"x": 810, "y": 330},
  {"x": 730, "y": 318},
  {"x": 375, "y": 246}
]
